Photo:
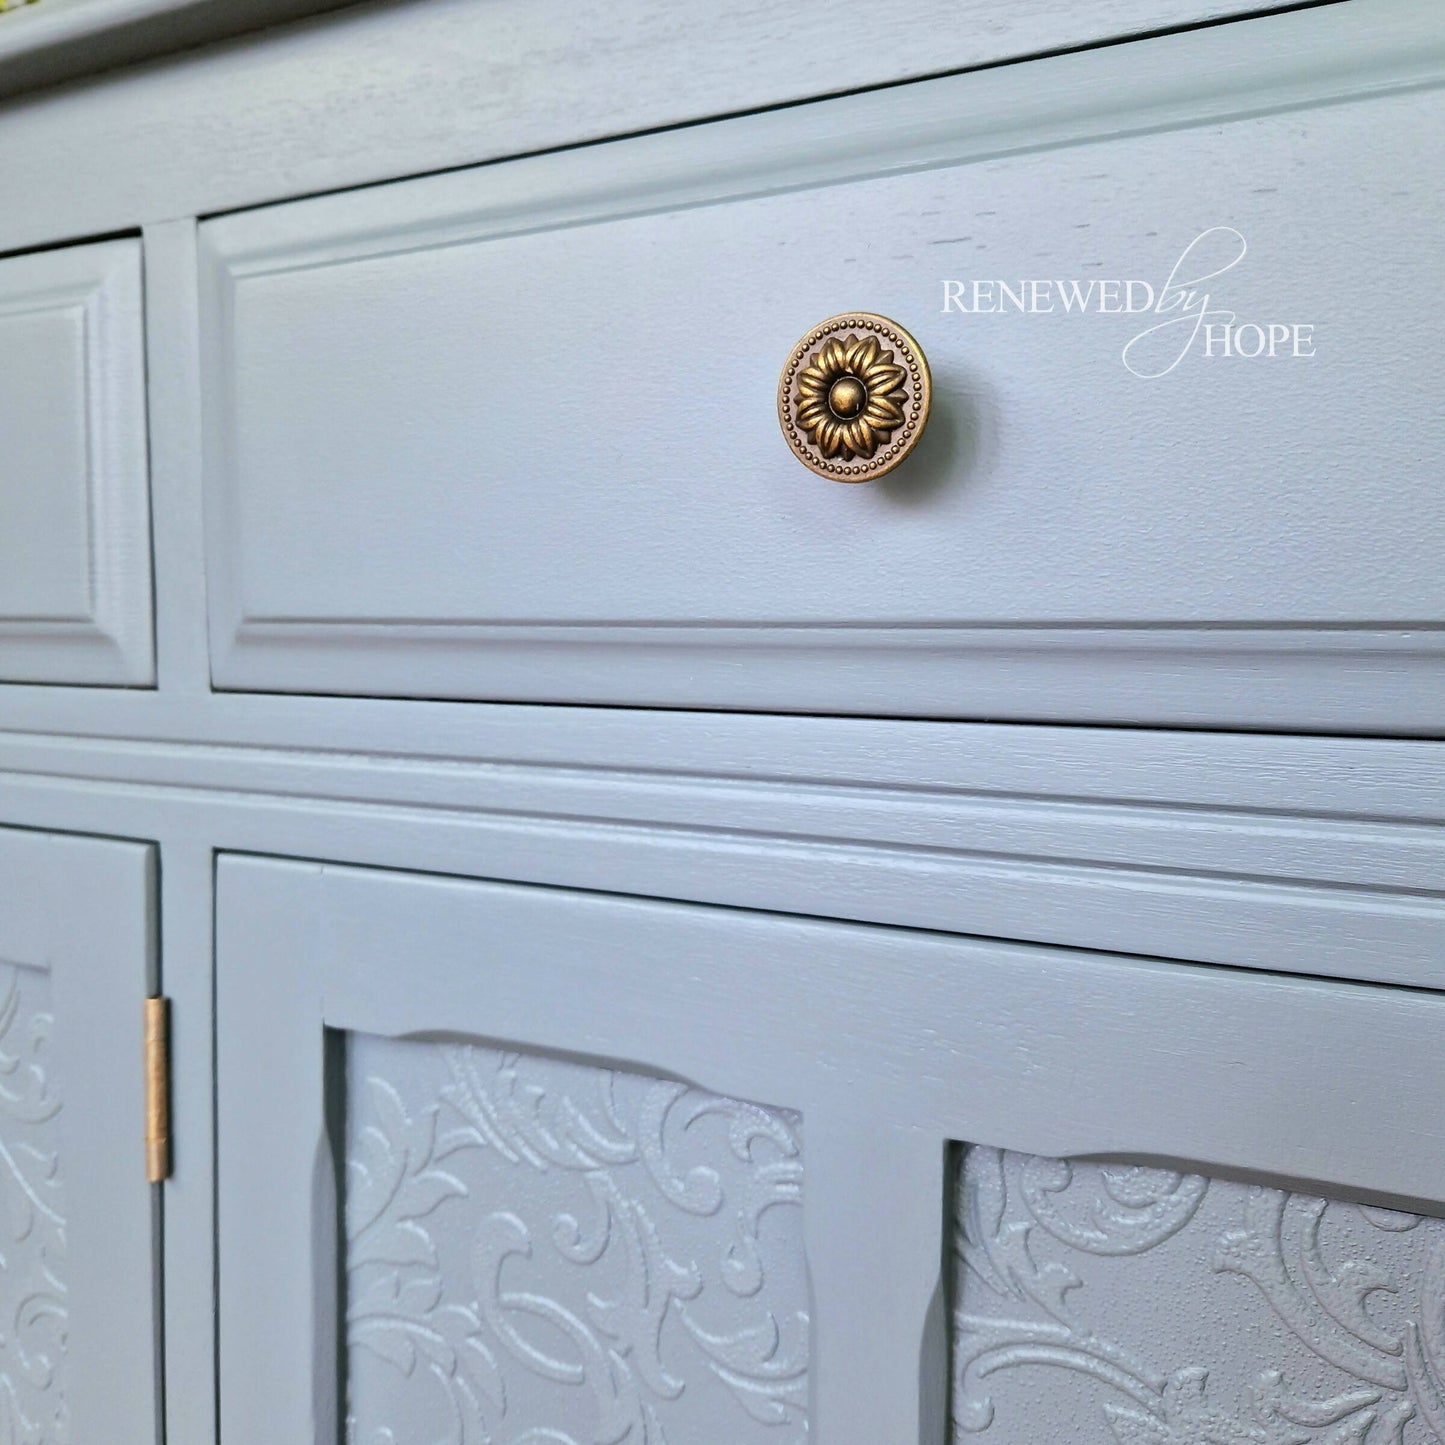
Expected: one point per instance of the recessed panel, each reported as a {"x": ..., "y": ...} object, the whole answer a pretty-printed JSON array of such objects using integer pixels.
[
  {"x": 75, "y": 565},
  {"x": 44, "y": 485},
  {"x": 540, "y": 1250}
]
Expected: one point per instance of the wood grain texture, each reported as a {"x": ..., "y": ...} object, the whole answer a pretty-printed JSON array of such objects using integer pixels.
[
  {"x": 75, "y": 563},
  {"x": 173, "y": 404},
  {"x": 185, "y": 911},
  {"x": 1070, "y": 542},
  {"x": 82, "y": 909},
  {"x": 889, "y": 1044},
  {"x": 385, "y": 90},
  {"x": 72, "y": 38},
  {"x": 187, "y": 929}
]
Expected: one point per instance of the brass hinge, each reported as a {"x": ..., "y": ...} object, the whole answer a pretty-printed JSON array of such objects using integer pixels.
[{"x": 158, "y": 1089}]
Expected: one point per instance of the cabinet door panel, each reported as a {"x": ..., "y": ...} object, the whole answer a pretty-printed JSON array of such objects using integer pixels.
[
  {"x": 1102, "y": 1302},
  {"x": 537, "y": 1243},
  {"x": 501, "y": 1066},
  {"x": 78, "y": 1275}
]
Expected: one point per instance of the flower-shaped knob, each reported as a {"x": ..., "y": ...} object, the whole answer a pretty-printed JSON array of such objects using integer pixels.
[{"x": 853, "y": 397}]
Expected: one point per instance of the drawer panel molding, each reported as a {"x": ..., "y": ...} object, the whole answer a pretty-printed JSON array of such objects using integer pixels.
[
  {"x": 387, "y": 515},
  {"x": 75, "y": 553}
]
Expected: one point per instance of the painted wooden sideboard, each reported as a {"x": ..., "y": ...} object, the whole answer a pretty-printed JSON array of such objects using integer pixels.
[{"x": 662, "y": 946}]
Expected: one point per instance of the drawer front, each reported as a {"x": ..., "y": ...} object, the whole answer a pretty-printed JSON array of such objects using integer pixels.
[
  {"x": 75, "y": 569},
  {"x": 586, "y": 1168},
  {"x": 512, "y": 433}
]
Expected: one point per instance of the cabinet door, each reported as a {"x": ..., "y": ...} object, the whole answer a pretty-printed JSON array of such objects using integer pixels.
[
  {"x": 501, "y": 1163},
  {"x": 78, "y": 1268}
]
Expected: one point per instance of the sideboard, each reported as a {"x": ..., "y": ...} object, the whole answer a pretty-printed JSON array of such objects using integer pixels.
[{"x": 538, "y": 905}]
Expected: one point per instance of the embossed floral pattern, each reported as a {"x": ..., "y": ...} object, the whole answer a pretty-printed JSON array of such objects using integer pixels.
[
  {"x": 33, "y": 1316},
  {"x": 851, "y": 397},
  {"x": 548, "y": 1253},
  {"x": 1138, "y": 1306}
]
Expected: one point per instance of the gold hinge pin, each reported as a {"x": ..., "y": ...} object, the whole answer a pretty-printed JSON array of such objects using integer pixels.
[{"x": 158, "y": 1090}]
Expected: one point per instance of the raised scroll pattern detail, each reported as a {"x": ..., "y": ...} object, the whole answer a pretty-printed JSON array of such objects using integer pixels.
[
  {"x": 548, "y": 1253},
  {"x": 33, "y": 1307},
  {"x": 1168, "y": 1309}
]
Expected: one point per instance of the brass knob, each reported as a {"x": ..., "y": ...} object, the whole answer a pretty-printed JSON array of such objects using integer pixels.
[{"x": 853, "y": 397}]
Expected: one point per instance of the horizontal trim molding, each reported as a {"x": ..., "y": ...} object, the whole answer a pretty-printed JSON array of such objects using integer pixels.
[
  {"x": 365, "y": 120},
  {"x": 1301, "y": 855},
  {"x": 1319, "y": 680}
]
